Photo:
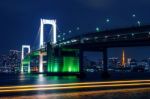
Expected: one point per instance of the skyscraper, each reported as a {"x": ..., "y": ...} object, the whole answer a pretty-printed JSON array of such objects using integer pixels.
[{"x": 123, "y": 59}]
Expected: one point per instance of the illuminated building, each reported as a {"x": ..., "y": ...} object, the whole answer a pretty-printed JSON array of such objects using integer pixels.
[
  {"x": 10, "y": 63},
  {"x": 123, "y": 59},
  {"x": 133, "y": 63},
  {"x": 128, "y": 61},
  {"x": 113, "y": 62},
  {"x": 144, "y": 64}
]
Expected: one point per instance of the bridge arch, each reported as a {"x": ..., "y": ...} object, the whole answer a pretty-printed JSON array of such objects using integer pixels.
[
  {"x": 49, "y": 22},
  {"x": 53, "y": 41}
]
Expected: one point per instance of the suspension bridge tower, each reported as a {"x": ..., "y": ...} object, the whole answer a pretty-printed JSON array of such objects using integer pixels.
[
  {"x": 52, "y": 41},
  {"x": 23, "y": 56}
]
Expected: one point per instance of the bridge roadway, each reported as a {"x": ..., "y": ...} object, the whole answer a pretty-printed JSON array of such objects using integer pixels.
[
  {"x": 100, "y": 41},
  {"x": 124, "y": 37}
]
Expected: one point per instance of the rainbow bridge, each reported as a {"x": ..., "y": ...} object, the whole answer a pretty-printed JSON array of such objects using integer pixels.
[{"x": 66, "y": 57}]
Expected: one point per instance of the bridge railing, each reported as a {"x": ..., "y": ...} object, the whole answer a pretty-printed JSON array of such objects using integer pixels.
[{"x": 106, "y": 38}]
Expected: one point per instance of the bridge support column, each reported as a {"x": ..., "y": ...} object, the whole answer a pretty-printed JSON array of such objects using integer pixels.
[
  {"x": 81, "y": 63},
  {"x": 105, "y": 73},
  {"x": 41, "y": 63}
]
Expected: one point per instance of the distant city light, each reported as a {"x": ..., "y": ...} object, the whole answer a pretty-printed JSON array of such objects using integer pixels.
[
  {"x": 78, "y": 28},
  {"x": 106, "y": 36},
  {"x": 64, "y": 33},
  {"x": 118, "y": 35},
  {"x": 95, "y": 37},
  {"x": 58, "y": 36}
]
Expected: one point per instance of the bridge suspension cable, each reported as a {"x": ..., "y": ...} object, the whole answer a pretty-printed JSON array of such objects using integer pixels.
[{"x": 36, "y": 41}]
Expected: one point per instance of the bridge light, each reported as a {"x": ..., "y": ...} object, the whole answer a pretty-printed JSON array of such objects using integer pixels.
[
  {"x": 133, "y": 15},
  {"x": 107, "y": 20},
  {"x": 73, "y": 40},
  {"x": 49, "y": 22},
  {"x": 139, "y": 23},
  {"x": 97, "y": 29},
  {"x": 78, "y": 28},
  {"x": 22, "y": 57},
  {"x": 70, "y": 31}
]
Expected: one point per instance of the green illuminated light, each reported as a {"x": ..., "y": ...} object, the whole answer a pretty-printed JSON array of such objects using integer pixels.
[
  {"x": 53, "y": 65},
  {"x": 70, "y": 64},
  {"x": 69, "y": 50},
  {"x": 67, "y": 62},
  {"x": 26, "y": 60},
  {"x": 35, "y": 53},
  {"x": 26, "y": 64}
]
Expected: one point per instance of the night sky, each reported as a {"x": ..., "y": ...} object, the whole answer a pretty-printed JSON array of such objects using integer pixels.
[{"x": 19, "y": 19}]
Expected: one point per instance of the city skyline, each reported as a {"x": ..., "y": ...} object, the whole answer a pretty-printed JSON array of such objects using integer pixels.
[
  {"x": 75, "y": 49},
  {"x": 130, "y": 52}
]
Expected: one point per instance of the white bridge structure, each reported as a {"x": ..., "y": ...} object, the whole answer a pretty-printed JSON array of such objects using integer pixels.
[
  {"x": 41, "y": 44},
  {"x": 22, "y": 56}
]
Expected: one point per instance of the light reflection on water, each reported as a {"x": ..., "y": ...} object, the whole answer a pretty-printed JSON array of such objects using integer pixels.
[
  {"x": 26, "y": 79},
  {"x": 43, "y": 79}
]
